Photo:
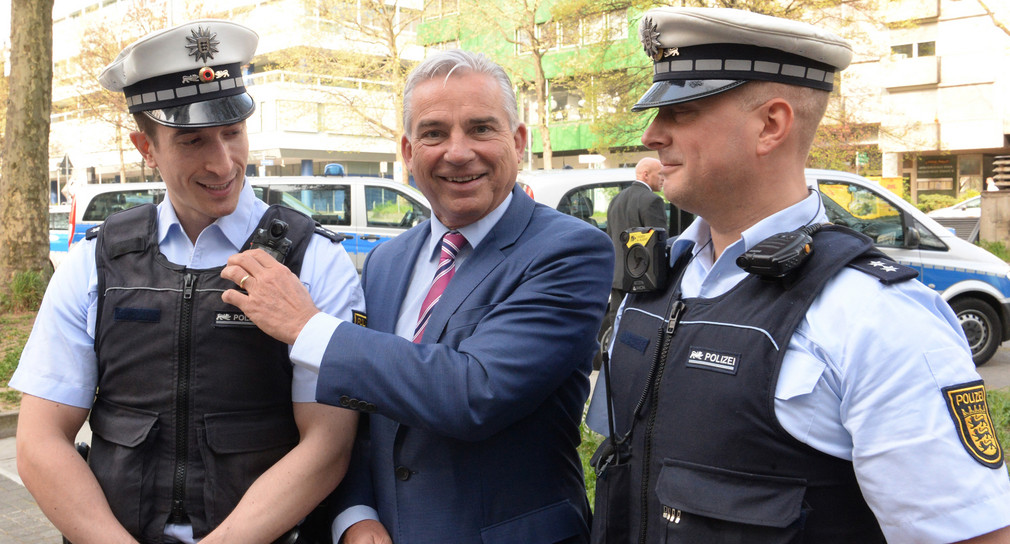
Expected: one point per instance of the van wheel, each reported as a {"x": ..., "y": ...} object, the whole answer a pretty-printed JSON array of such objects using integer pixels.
[{"x": 981, "y": 326}]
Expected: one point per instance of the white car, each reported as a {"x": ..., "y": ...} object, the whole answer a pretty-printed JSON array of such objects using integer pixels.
[
  {"x": 970, "y": 208},
  {"x": 973, "y": 281},
  {"x": 963, "y": 218},
  {"x": 366, "y": 210},
  {"x": 59, "y": 233}
]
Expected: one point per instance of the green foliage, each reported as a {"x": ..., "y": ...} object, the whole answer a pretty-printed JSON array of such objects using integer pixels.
[
  {"x": 14, "y": 330},
  {"x": 998, "y": 249},
  {"x": 25, "y": 291},
  {"x": 999, "y": 408},
  {"x": 930, "y": 202},
  {"x": 590, "y": 441}
]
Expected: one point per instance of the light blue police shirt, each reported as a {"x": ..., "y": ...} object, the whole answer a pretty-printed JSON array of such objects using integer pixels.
[
  {"x": 59, "y": 363},
  {"x": 861, "y": 380}
]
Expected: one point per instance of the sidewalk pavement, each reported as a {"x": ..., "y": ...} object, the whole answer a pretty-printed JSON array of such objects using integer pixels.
[{"x": 21, "y": 520}]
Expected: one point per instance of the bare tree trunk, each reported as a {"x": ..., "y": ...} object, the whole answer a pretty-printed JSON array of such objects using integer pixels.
[
  {"x": 24, "y": 178},
  {"x": 544, "y": 110}
]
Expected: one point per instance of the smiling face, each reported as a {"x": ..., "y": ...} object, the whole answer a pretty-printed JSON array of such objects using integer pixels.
[
  {"x": 203, "y": 169},
  {"x": 460, "y": 148}
]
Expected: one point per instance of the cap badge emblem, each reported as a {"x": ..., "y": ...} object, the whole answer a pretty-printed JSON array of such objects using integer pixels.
[
  {"x": 650, "y": 39},
  {"x": 671, "y": 52},
  {"x": 202, "y": 44}
]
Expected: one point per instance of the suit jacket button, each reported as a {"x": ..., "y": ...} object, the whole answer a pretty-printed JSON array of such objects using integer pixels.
[
  {"x": 354, "y": 404},
  {"x": 345, "y": 401},
  {"x": 402, "y": 473}
]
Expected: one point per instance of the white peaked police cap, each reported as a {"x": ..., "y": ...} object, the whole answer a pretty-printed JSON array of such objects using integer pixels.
[
  {"x": 699, "y": 52},
  {"x": 187, "y": 76}
]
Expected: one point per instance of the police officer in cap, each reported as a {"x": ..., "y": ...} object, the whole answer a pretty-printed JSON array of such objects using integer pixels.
[
  {"x": 202, "y": 430},
  {"x": 789, "y": 383}
]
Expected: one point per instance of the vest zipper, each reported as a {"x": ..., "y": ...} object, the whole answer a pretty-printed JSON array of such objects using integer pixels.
[
  {"x": 652, "y": 393},
  {"x": 182, "y": 402}
]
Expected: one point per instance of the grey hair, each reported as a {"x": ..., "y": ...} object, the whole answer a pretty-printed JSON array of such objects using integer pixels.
[{"x": 446, "y": 63}]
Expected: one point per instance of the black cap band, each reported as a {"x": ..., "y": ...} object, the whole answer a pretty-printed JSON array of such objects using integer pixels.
[
  {"x": 178, "y": 89},
  {"x": 742, "y": 62}
]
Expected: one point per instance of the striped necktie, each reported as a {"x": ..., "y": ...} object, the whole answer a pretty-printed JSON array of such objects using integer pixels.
[{"x": 452, "y": 242}]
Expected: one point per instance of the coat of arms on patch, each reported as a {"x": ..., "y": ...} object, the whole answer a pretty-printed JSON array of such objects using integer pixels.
[{"x": 968, "y": 408}]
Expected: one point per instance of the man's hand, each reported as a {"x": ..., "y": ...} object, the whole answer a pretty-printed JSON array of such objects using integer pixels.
[
  {"x": 276, "y": 300},
  {"x": 367, "y": 531}
]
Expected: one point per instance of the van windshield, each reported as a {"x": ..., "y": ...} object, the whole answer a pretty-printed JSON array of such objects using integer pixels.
[
  {"x": 105, "y": 204},
  {"x": 327, "y": 204}
]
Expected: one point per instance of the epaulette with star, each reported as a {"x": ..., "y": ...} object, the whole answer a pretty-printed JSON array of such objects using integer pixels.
[{"x": 883, "y": 268}]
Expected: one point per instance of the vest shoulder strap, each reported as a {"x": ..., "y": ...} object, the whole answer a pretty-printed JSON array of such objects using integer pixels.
[
  {"x": 882, "y": 267},
  {"x": 127, "y": 231}
]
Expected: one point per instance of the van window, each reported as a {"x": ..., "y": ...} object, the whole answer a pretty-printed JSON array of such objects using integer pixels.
[
  {"x": 928, "y": 240},
  {"x": 327, "y": 204},
  {"x": 590, "y": 203},
  {"x": 863, "y": 211},
  {"x": 390, "y": 208},
  {"x": 105, "y": 204},
  {"x": 59, "y": 220}
]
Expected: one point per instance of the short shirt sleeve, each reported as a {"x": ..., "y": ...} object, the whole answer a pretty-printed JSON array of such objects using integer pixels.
[
  {"x": 888, "y": 354},
  {"x": 332, "y": 281},
  {"x": 58, "y": 362}
]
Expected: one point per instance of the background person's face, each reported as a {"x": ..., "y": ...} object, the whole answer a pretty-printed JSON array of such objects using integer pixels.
[
  {"x": 462, "y": 153},
  {"x": 203, "y": 170}
]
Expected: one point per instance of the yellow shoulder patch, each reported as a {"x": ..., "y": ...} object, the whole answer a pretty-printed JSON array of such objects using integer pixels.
[
  {"x": 969, "y": 409},
  {"x": 359, "y": 318}
]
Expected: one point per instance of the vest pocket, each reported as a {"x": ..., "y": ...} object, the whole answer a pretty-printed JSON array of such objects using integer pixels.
[
  {"x": 236, "y": 448},
  {"x": 708, "y": 504},
  {"x": 121, "y": 437},
  {"x": 612, "y": 511}
]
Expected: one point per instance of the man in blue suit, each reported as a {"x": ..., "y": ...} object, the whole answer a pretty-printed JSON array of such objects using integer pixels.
[{"x": 473, "y": 426}]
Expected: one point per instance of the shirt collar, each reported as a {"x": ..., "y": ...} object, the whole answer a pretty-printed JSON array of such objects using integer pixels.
[
  {"x": 474, "y": 232},
  {"x": 807, "y": 211},
  {"x": 235, "y": 226}
]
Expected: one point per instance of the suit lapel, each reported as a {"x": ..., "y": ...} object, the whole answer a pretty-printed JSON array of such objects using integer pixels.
[
  {"x": 485, "y": 258},
  {"x": 393, "y": 275}
]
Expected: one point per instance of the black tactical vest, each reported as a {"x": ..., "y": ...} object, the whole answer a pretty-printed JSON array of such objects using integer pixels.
[
  {"x": 706, "y": 459},
  {"x": 194, "y": 401}
]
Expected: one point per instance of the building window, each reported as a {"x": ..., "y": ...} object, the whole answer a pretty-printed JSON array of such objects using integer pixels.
[
  {"x": 910, "y": 50},
  {"x": 441, "y": 8},
  {"x": 602, "y": 27},
  {"x": 523, "y": 42},
  {"x": 440, "y": 46},
  {"x": 547, "y": 34},
  {"x": 570, "y": 34}
]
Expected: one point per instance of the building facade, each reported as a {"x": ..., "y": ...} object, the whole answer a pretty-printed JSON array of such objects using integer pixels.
[
  {"x": 303, "y": 121},
  {"x": 931, "y": 79},
  {"x": 935, "y": 77}
]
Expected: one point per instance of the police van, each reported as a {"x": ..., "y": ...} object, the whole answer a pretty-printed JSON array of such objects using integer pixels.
[
  {"x": 972, "y": 280},
  {"x": 366, "y": 210},
  {"x": 59, "y": 233}
]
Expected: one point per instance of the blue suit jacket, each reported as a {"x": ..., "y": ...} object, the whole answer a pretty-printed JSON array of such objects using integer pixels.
[{"x": 472, "y": 434}]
